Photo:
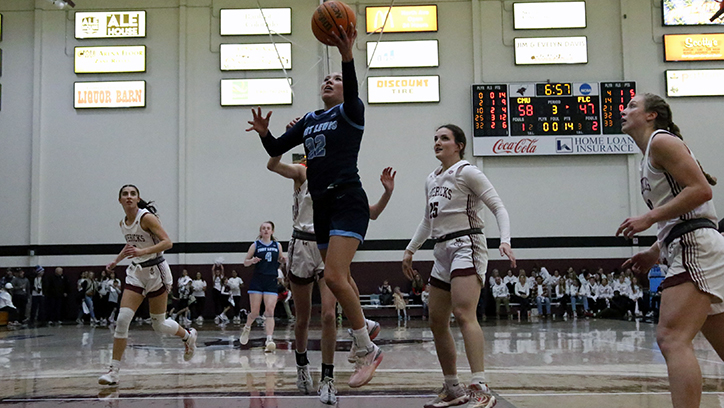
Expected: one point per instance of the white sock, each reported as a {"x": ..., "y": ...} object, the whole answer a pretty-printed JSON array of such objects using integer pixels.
[
  {"x": 116, "y": 364},
  {"x": 269, "y": 338},
  {"x": 362, "y": 339},
  {"x": 186, "y": 336},
  {"x": 452, "y": 381},
  {"x": 478, "y": 378}
]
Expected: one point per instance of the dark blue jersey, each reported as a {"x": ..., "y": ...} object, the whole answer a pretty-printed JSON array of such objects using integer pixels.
[
  {"x": 331, "y": 139},
  {"x": 269, "y": 255}
]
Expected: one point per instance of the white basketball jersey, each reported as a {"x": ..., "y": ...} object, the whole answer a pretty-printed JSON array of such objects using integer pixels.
[
  {"x": 451, "y": 207},
  {"x": 138, "y": 237},
  {"x": 302, "y": 209},
  {"x": 658, "y": 188}
]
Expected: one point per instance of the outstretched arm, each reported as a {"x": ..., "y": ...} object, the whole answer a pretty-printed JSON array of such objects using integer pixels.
[
  {"x": 296, "y": 172},
  {"x": 388, "y": 182},
  {"x": 275, "y": 146}
]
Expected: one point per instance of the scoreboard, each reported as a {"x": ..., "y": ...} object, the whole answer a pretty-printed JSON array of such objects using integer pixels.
[{"x": 551, "y": 118}]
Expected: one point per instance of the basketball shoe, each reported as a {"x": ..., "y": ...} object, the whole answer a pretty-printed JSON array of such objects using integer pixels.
[
  {"x": 244, "y": 337},
  {"x": 449, "y": 397},
  {"x": 327, "y": 392},
  {"x": 365, "y": 366},
  {"x": 373, "y": 328},
  {"x": 190, "y": 345},
  {"x": 304, "y": 380},
  {"x": 109, "y": 378},
  {"x": 480, "y": 396}
]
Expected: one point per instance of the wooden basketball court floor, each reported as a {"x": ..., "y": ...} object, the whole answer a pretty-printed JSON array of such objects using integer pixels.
[{"x": 539, "y": 364}]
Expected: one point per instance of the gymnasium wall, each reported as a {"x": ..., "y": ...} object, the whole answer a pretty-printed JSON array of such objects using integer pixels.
[{"x": 62, "y": 168}]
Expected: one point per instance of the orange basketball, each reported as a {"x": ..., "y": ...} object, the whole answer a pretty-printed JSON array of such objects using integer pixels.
[{"x": 328, "y": 17}]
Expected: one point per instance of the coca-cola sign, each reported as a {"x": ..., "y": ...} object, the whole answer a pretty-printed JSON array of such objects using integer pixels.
[{"x": 520, "y": 146}]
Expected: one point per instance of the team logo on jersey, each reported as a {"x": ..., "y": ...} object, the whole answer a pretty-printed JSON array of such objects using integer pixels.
[
  {"x": 458, "y": 243},
  {"x": 320, "y": 127}
]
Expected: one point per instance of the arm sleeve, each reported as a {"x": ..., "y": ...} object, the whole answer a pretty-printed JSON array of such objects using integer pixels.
[
  {"x": 353, "y": 106},
  {"x": 423, "y": 231},
  {"x": 480, "y": 186},
  {"x": 278, "y": 146}
]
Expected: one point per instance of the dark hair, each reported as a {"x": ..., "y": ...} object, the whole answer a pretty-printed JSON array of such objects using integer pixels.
[
  {"x": 459, "y": 136},
  {"x": 273, "y": 228},
  {"x": 141, "y": 202},
  {"x": 664, "y": 120}
]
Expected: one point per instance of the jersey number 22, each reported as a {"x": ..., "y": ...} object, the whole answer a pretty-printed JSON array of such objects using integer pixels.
[{"x": 316, "y": 146}]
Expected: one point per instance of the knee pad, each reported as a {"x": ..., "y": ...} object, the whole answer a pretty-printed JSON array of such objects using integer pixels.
[
  {"x": 123, "y": 322},
  {"x": 163, "y": 325}
]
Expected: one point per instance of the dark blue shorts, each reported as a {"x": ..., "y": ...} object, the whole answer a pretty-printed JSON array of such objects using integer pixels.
[
  {"x": 342, "y": 212},
  {"x": 263, "y": 284}
]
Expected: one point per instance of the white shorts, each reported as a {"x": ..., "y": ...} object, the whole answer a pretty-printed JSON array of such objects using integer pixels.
[
  {"x": 698, "y": 257},
  {"x": 151, "y": 281},
  {"x": 305, "y": 262},
  {"x": 463, "y": 256}
]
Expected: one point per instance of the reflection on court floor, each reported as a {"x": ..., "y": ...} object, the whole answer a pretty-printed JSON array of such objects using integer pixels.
[{"x": 591, "y": 363}]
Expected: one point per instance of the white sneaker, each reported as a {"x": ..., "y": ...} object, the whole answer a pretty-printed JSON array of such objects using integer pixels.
[
  {"x": 224, "y": 318},
  {"x": 217, "y": 319},
  {"x": 199, "y": 320},
  {"x": 373, "y": 328},
  {"x": 109, "y": 378},
  {"x": 449, "y": 397},
  {"x": 305, "y": 384},
  {"x": 365, "y": 367},
  {"x": 270, "y": 346},
  {"x": 190, "y": 345},
  {"x": 327, "y": 392},
  {"x": 480, "y": 396},
  {"x": 244, "y": 337}
]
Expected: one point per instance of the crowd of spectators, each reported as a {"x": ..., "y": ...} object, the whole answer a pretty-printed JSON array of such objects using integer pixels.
[{"x": 614, "y": 294}]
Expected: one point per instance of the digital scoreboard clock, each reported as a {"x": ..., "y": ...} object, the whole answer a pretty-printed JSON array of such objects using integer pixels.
[{"x": 534, "y": 117}]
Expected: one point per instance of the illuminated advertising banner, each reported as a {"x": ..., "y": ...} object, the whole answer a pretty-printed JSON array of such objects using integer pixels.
[
  {"x": 252, "y": 22},
  {"x": 402, "y": 19},
  {"x": 556, "y": 14},
  {"x": 693, "y": 47},
  {"x": 402, "y": 54},
  {"x": 110, "y": 24},
  {"x": 124, "y": 58},
  {"x": 551, "y": 50},
  {"x": 121, "y": 94},
  {"x": 240, "y": 57},
  {"x": 403, "y": 89},
  {"x": 688, "y": 12},
  {"x": 252, "y": 92},
  {"x": 695, "y": 82}
]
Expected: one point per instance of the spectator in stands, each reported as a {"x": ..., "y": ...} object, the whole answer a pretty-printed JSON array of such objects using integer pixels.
[
  {"x": 385, "y": 292},
  {"x": 6, "y": 305},
  {"x": 594, "y": 294},
  {"x": 418, "y": 286},
  {"x": 501, "y": 296},
  {"x": 579, "y": 294},
  {"x": 522, "y": 295},
  {"x": 56, "y": 293},
  {"x": 493, "y": 275},
  {"x": 510, "y": 280},
  {"x": 617, "y": 308},
  {"x": 8, "y": 278},
  {"x": 100, "y": 301},
  {"x": 621, "y": 286},
  {"x": 184, "y": 279},
  {"x": 636, "y": 294},
  {"x": 217, "y": 273},
  {"x": 37, "y": 305},
  {"x": 114, "y": 297},
  {"x": 199, "y": 292},
  {"x": 529, "y": 282},
  {"x": 86, "y": 290},
  {"x": 425, "y": 301},
  {"x": 542, "y": 297},
  {"x": 21, "y": 289},
  {"x": 400, "y": 304},
  {"x": 235, "y": 283},
  {"x": 562, "y": 296},
  {"x": 605, "y": 294}
]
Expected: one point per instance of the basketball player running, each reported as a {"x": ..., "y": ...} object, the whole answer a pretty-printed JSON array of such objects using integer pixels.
[
  {"x": 148, "y": 276},
  {"x": 677, "y": 192},
  {"x": 455, "y": 193},
  {"x": 332, "y": 138},
  {"x": 266, "y": 255},
  {"x": 306, "y": 267}
]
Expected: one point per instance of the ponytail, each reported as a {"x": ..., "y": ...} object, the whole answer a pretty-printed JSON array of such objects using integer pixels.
[
  {"x": 273, "y": 238},
  {"x": 664, "y": 120}
]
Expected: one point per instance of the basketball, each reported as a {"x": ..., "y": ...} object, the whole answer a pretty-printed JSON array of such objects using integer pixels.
[{"x": 328, "y": 17}]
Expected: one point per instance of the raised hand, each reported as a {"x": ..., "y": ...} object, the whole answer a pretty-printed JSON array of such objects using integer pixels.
[
  {"x": 388, "y": 179},
  {"x": 259, "y": 123},
  {"x": 345, "y": 41}
]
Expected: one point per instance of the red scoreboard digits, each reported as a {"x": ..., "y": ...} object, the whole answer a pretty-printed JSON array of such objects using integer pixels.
[
  {"x": 490, "y": 105},
  {"x": 549, "y": 109}
]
